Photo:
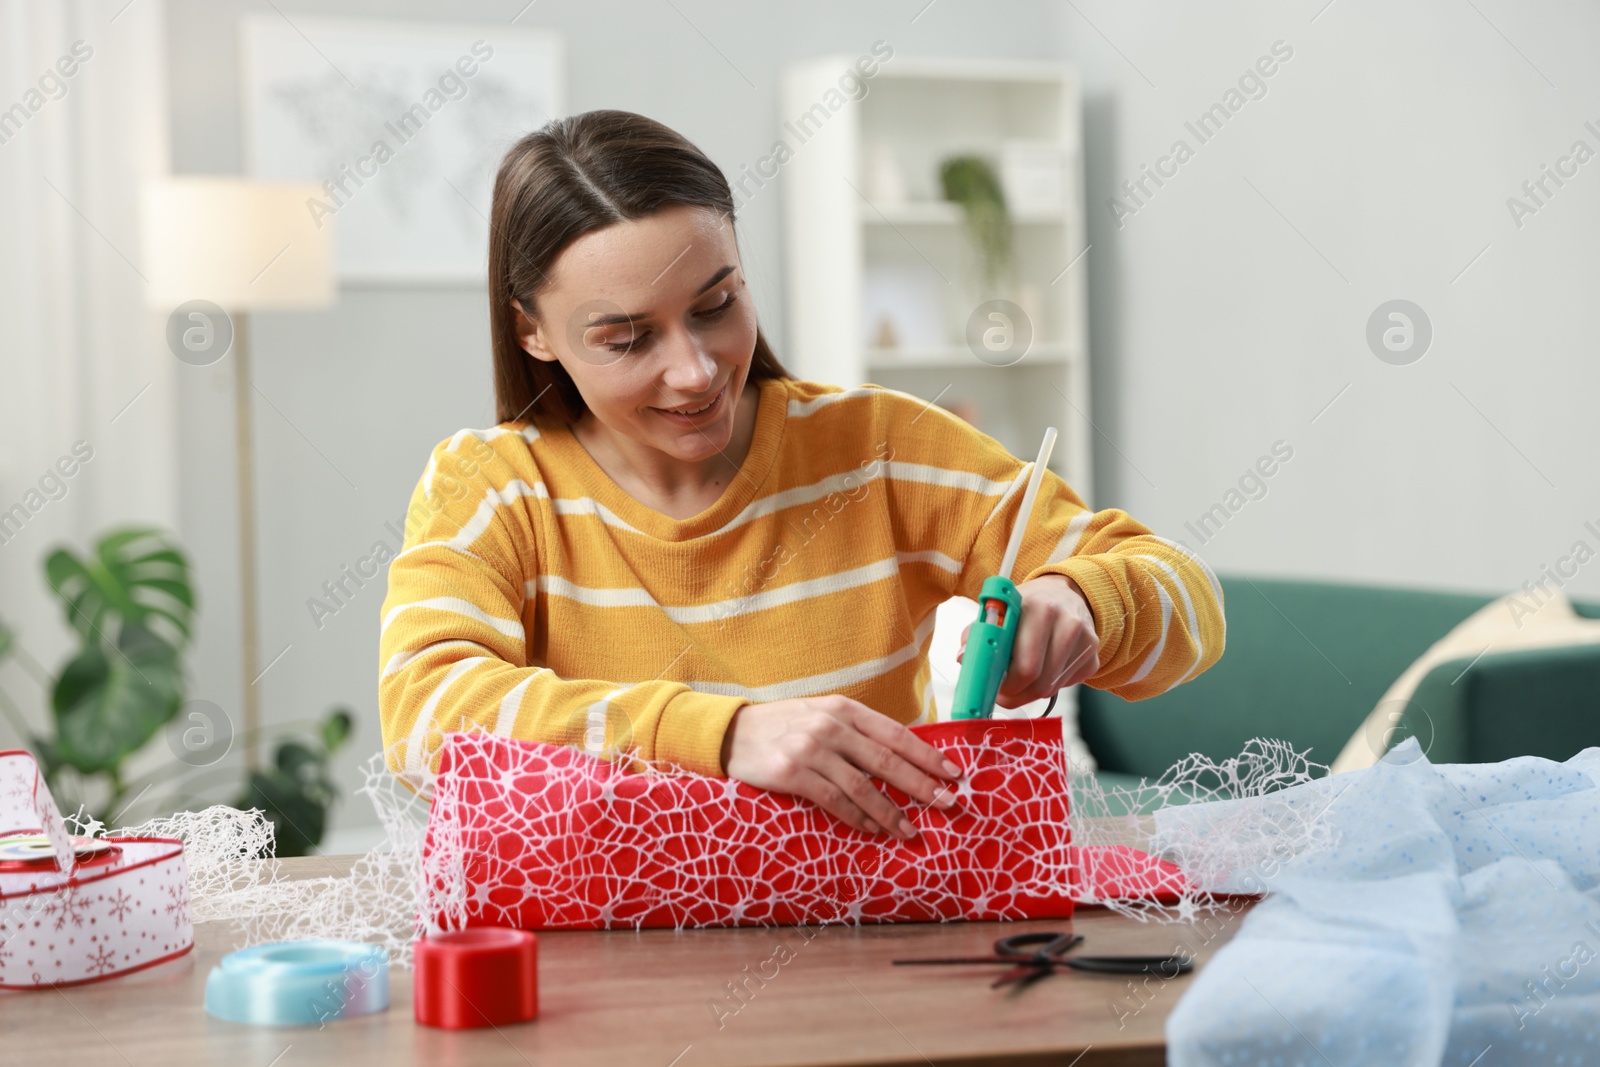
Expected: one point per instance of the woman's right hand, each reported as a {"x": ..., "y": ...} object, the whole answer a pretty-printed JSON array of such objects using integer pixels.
[{"x": 829, "y": 749}]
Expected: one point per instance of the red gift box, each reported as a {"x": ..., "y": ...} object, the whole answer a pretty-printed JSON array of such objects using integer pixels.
[{"x": 547, "y": 837}]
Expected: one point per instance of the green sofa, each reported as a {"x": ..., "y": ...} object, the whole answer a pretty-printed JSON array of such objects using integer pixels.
[{"x": 1307, "y": 661}]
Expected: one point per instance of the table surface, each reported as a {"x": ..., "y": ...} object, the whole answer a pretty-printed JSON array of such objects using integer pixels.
[{"x": 646, "y": 998}]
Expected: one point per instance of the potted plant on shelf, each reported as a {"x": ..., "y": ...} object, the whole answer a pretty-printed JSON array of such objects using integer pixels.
[{"x": 971, "y": 182}]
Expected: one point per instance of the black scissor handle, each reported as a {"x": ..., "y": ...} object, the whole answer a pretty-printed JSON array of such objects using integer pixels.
[
  {"x": 1042, "y": 945},
  {"x": 1168, "y": 966}
]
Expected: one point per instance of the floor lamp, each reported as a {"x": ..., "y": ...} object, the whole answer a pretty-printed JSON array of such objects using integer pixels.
[{"x": 216, "y": 249}]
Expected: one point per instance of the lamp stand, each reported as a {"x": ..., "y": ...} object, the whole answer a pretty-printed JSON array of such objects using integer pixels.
[{"x": 245, "y": 452}]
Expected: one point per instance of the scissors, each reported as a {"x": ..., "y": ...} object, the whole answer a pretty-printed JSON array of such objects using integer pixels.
[{"x": 1038, "y": 954}]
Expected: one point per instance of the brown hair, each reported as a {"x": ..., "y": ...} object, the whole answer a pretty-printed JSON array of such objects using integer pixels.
[{"x": 572, "y": 176}]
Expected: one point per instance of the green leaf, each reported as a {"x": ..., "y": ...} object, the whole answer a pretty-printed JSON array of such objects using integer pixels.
[
  {"x": 298, "y": 761},
  {"x": 136, "y": 576},
  {"x": 8, "y": 639},
  {"x": 336, "y": 729},
  {"x": 298, "y": 819},
  {"x": 109, "y": 703}
]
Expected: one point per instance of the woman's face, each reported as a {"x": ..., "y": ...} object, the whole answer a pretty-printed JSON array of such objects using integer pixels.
[{"x": 652, "y": 319}]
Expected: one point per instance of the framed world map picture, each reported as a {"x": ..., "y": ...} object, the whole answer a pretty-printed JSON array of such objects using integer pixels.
[{"x": 402, "y": 124}]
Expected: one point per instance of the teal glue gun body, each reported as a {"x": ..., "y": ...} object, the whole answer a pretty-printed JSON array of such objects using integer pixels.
[{"x": 987, "y": 655}]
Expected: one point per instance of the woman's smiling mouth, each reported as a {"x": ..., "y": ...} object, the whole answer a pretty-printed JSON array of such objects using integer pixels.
[{"x": 694, "y": 415}]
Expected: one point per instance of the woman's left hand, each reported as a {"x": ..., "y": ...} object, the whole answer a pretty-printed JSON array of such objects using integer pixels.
[{"x": 1057, "y": 644}]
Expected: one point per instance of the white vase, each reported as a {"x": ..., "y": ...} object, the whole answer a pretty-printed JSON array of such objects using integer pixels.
[{"x": 885, "y": 184}]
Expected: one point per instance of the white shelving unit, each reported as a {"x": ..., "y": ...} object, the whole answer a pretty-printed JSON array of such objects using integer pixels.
[{"x": 842, "y": 240}]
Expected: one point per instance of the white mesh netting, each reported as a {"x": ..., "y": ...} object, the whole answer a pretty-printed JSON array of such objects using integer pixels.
[
  {"x": 1224, "y": 827},
  {"x": 579, "y": 853},
  {"x": 374, "y": 901}
]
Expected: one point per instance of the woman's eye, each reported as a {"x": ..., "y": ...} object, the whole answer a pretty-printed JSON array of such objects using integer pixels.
[
  {"x": 718, "y": 311},
  {"x": 710, "y": 313}
]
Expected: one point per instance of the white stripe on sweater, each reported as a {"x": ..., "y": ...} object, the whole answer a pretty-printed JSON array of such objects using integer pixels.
[
  {"x": 1161, "y": 644},
  {"x": 529, "y": 433},
  {"x": 921, "y": 472},
  {"x": 802, "y": 408},
  {"x": 1188, "y": 607},
  {"x": 845, "y": 483},
  {"x": 930, "y": 555},
  {"x": 417, "y": 739},
  {"x": 801, "y": 494},
  {"x": 828, "y": 681},
  {"x": 1071, "y": 536},
  {"x": 514, "y": 490},
  {"x": 400, "y": 659},
  {"x": 851, "y": 481},
  {"x": 594, "y": 596},
  {"x": 474, "y": 527},
  {"x": 594, "y": 724},
  {"x": 584, "y": 505},
  {"x": 799, "y": 409},
  {"x": 761, "y": 600},
  {"x": 1016, "y": 483},
  {"x": 509, "y": 627},
  {"x": 505, "y": 719},
  {"x": 1216, "y": 586}
]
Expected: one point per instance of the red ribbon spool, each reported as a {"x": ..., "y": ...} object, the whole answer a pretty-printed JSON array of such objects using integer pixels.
[{"x": 482, "y": 976}]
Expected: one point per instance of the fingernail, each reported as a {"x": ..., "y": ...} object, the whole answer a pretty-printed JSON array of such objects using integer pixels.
[
  {"x": 873, "y": 828},
  {"x": 944, "y": 798},
  {"x": 907, "y": 829},
  {"x": 951, "y": 769}
]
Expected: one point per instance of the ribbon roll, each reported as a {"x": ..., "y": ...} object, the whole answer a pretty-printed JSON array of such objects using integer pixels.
[
  {"x": 298, "y": 983},
  {"x": 35, "y": 853},
  {"x": 483, "y": 976},
  {"x": 77, "y": 909}
]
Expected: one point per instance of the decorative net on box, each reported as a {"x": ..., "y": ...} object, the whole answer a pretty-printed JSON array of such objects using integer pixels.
[
  {"x": 547, "y": 837},
  {"x": 590, "y": 851}
]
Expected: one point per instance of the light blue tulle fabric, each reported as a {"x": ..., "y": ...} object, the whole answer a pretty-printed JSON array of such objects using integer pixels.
[{"x": 1455, "y": 919}]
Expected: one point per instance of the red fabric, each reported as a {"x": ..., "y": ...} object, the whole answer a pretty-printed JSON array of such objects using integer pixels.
[{"x": 547, "y": 837}]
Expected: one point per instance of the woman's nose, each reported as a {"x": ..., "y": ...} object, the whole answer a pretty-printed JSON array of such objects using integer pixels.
[{"x": 690, "y": 369}]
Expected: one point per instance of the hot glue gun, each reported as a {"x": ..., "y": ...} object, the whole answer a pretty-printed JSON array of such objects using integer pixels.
[{"x": 987, "y": 655}]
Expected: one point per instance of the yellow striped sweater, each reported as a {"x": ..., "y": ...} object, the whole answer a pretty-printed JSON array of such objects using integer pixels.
[{"x": 534, "y": 598}]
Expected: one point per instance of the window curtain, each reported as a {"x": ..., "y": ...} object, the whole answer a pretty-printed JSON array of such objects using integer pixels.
[{"x": 87, "y": 385}]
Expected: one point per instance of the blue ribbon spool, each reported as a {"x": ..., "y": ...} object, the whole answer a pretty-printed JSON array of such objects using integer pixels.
[{"x": 299, "y": 983}]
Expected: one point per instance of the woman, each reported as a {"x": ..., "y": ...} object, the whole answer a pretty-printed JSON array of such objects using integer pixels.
[{"x": 669, "y": 547}]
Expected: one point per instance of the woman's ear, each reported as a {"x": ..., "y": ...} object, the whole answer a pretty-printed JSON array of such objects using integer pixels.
[{"x": 531, "y": 334}]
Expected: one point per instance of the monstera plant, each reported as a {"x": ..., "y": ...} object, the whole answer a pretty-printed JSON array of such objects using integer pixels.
[{"x": 132, "y": 606}]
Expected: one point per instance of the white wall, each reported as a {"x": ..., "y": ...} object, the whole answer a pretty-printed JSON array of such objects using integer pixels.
[{"x": 1231, "y": 308}]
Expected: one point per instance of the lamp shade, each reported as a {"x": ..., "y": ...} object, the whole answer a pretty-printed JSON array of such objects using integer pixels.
[{"x": 238, "y": 243}]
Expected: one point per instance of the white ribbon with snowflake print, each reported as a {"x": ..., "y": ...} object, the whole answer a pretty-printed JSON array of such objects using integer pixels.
[{"x": 68, "y": 922}]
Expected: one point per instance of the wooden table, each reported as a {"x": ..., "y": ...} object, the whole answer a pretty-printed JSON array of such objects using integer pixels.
[{"x": 645, "y": 998}]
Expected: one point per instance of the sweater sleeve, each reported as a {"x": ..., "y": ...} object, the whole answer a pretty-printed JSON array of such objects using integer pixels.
[
  {"x": 453, "y": 646},
  {"x": 1158, "y": 608}
]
